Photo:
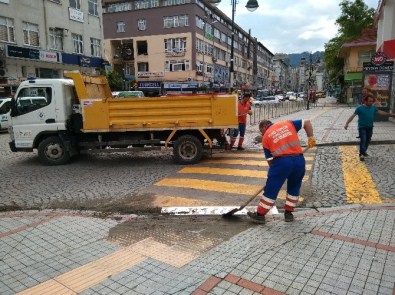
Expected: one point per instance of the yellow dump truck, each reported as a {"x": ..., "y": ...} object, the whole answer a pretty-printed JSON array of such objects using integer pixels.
[{"x": 77, "y": 114}]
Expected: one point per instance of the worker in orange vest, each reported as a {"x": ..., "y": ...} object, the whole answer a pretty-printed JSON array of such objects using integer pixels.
[
  {"x": 244, "y": 109},
  {"x": 284, "y": 154}
]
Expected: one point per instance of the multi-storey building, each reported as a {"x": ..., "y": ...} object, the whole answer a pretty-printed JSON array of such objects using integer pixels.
[
  {"x": 181, "y": 45},
  {"x": 42, "y": 38}
]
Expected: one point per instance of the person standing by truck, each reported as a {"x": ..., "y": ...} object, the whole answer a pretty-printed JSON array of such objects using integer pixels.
[{"x": 244, "y": 109}]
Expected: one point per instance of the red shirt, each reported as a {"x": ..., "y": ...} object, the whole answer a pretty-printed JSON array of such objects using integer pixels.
[{"x": 243, "y": 108}]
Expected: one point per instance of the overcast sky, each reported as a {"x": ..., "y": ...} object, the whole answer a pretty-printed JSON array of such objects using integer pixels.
[{"x": 290, "y": 26}]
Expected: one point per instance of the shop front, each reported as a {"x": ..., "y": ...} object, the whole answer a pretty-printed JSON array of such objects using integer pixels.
[{"x": 377, "y": 77}]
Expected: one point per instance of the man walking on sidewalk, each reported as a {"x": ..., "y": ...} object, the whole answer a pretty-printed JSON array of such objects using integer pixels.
[
  {"x": 365, "y": 113},
  {"x": 284, "y": 154}
]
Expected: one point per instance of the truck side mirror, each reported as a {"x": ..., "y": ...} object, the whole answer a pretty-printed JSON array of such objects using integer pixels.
[{"x": 14, "y": 110}]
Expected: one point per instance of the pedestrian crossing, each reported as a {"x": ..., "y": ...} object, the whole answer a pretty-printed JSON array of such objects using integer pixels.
[{"x": 224, "y": 179}]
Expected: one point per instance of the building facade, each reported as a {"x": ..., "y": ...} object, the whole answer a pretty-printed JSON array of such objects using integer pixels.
[
  {"x": 355, "y": 53},
  {"x": 181, "y": 46},
  {"x": 42, "y": 38},
  {"x": 385, "y": 22}
]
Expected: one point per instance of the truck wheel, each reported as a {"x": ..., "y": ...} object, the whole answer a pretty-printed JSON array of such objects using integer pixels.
[
  {"x": 51, "y": 151},
  {"x": 187, "y": 150}
]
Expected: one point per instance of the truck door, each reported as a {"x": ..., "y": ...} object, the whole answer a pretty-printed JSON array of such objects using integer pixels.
[{"x": 35, "y": 112}]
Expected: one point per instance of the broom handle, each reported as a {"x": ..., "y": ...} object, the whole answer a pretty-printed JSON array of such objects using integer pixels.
[{"x": 252, "y": 198}]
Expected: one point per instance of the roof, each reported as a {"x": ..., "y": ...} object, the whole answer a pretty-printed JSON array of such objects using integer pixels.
[{"x": 367, "y": 37}]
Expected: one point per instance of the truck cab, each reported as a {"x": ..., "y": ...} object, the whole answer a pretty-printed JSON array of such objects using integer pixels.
[{"x": 36, "y": 111}]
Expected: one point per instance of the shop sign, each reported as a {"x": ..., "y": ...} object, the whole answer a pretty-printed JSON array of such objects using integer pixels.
[
  {"x": 378, "y": 78},
  {"x": 379, "y": 58},
  {"x": 149, "y": 74},
  {"x": 387, "y": 66},
  {"x": 48, "y": 56},
  {"x": 151, "y": 84},
  {"x": 181, "y": 85},
  {"x": 76, "y": 15},
  {"x": 85, "y": 61}
]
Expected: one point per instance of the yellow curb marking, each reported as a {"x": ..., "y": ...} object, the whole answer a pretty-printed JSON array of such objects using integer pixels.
[
  {"x": 359, "y": 184},
  {"x": 227, "y": 171},
  {"x": 174, "y": 255},
  {"x": 95, "y": 272},
  {"x": 88, "y": 275}
]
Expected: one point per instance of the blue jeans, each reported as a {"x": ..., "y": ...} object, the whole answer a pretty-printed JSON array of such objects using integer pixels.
[
  {"x": 365, "y": 134},
  {"x": 241, "y": 130}
]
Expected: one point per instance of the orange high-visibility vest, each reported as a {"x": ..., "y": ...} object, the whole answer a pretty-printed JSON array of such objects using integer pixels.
[{"x": 282, "y": 139}]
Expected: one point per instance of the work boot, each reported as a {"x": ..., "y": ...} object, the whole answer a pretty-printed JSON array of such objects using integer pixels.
[
  {"x": 256, "y": 217},
  {"x": 288, "y": 216}
]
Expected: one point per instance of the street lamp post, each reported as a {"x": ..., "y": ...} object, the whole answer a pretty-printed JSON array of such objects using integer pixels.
[
  {"x": 308, "y": 86},
  {"x": 252, "y": 5}
]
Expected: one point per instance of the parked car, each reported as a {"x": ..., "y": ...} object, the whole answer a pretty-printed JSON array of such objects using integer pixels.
[
  {"x": 115, "y": 93},
  {"x": 320, "y": 94},
  {"x": 290, "y": 95},
  {"x": 302, "y": 95},
  {"x": 134, "y": 93},
  {"x": 5, "y": 110},
  {"x": 270, "y": 99}
]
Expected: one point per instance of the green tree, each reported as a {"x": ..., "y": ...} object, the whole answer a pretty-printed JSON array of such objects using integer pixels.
[
  {"x": 355, "y": 16},
  {"x": 115, "y": 80}
]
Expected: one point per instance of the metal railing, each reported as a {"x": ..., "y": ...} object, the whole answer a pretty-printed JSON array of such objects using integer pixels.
[{"x": 274, "y": 110}]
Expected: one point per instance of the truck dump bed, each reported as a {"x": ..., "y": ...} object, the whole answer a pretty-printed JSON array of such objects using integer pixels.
[{"x": 102, "y": 112}]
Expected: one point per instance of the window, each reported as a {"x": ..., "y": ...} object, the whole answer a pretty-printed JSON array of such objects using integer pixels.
[
  {"x": 141, "y": 5},
  {"x": 120, "y": 27},
  {"x": 92, "y": 7},
  {"x": 364, "y": 56},
  {"x": 33, "y": 98},
  {"x": 142, "y": 24},
  {"x": 119, "y": 7},
  {"x": 142, "y": 67},
  {"x": 5, "y": 108},
  {"x": 175, "y": 45},
  {"x": 142, "y": 47},
  {"x": 95, "y": 47},
  {"x": 174, "y": 2},
  {"x": 30, "y": 34},
  {"x": 75, "y": 4},
  {"x": 154, "y": 3},
  {"x": 55, "y": 39},
  {"x": 7, "y": 29},
  {"x": 78, "y": 43},
  {"x": 176, "y": 21},
  {"x": 129, "y": 69},
  {"x": 176, "y": 65}
]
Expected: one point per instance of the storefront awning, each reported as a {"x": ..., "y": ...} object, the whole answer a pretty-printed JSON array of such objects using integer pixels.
[{"x": 353, "y": 76}]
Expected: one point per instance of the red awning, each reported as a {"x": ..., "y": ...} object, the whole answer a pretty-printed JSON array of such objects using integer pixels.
[{"x": 388, "y": 47}]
